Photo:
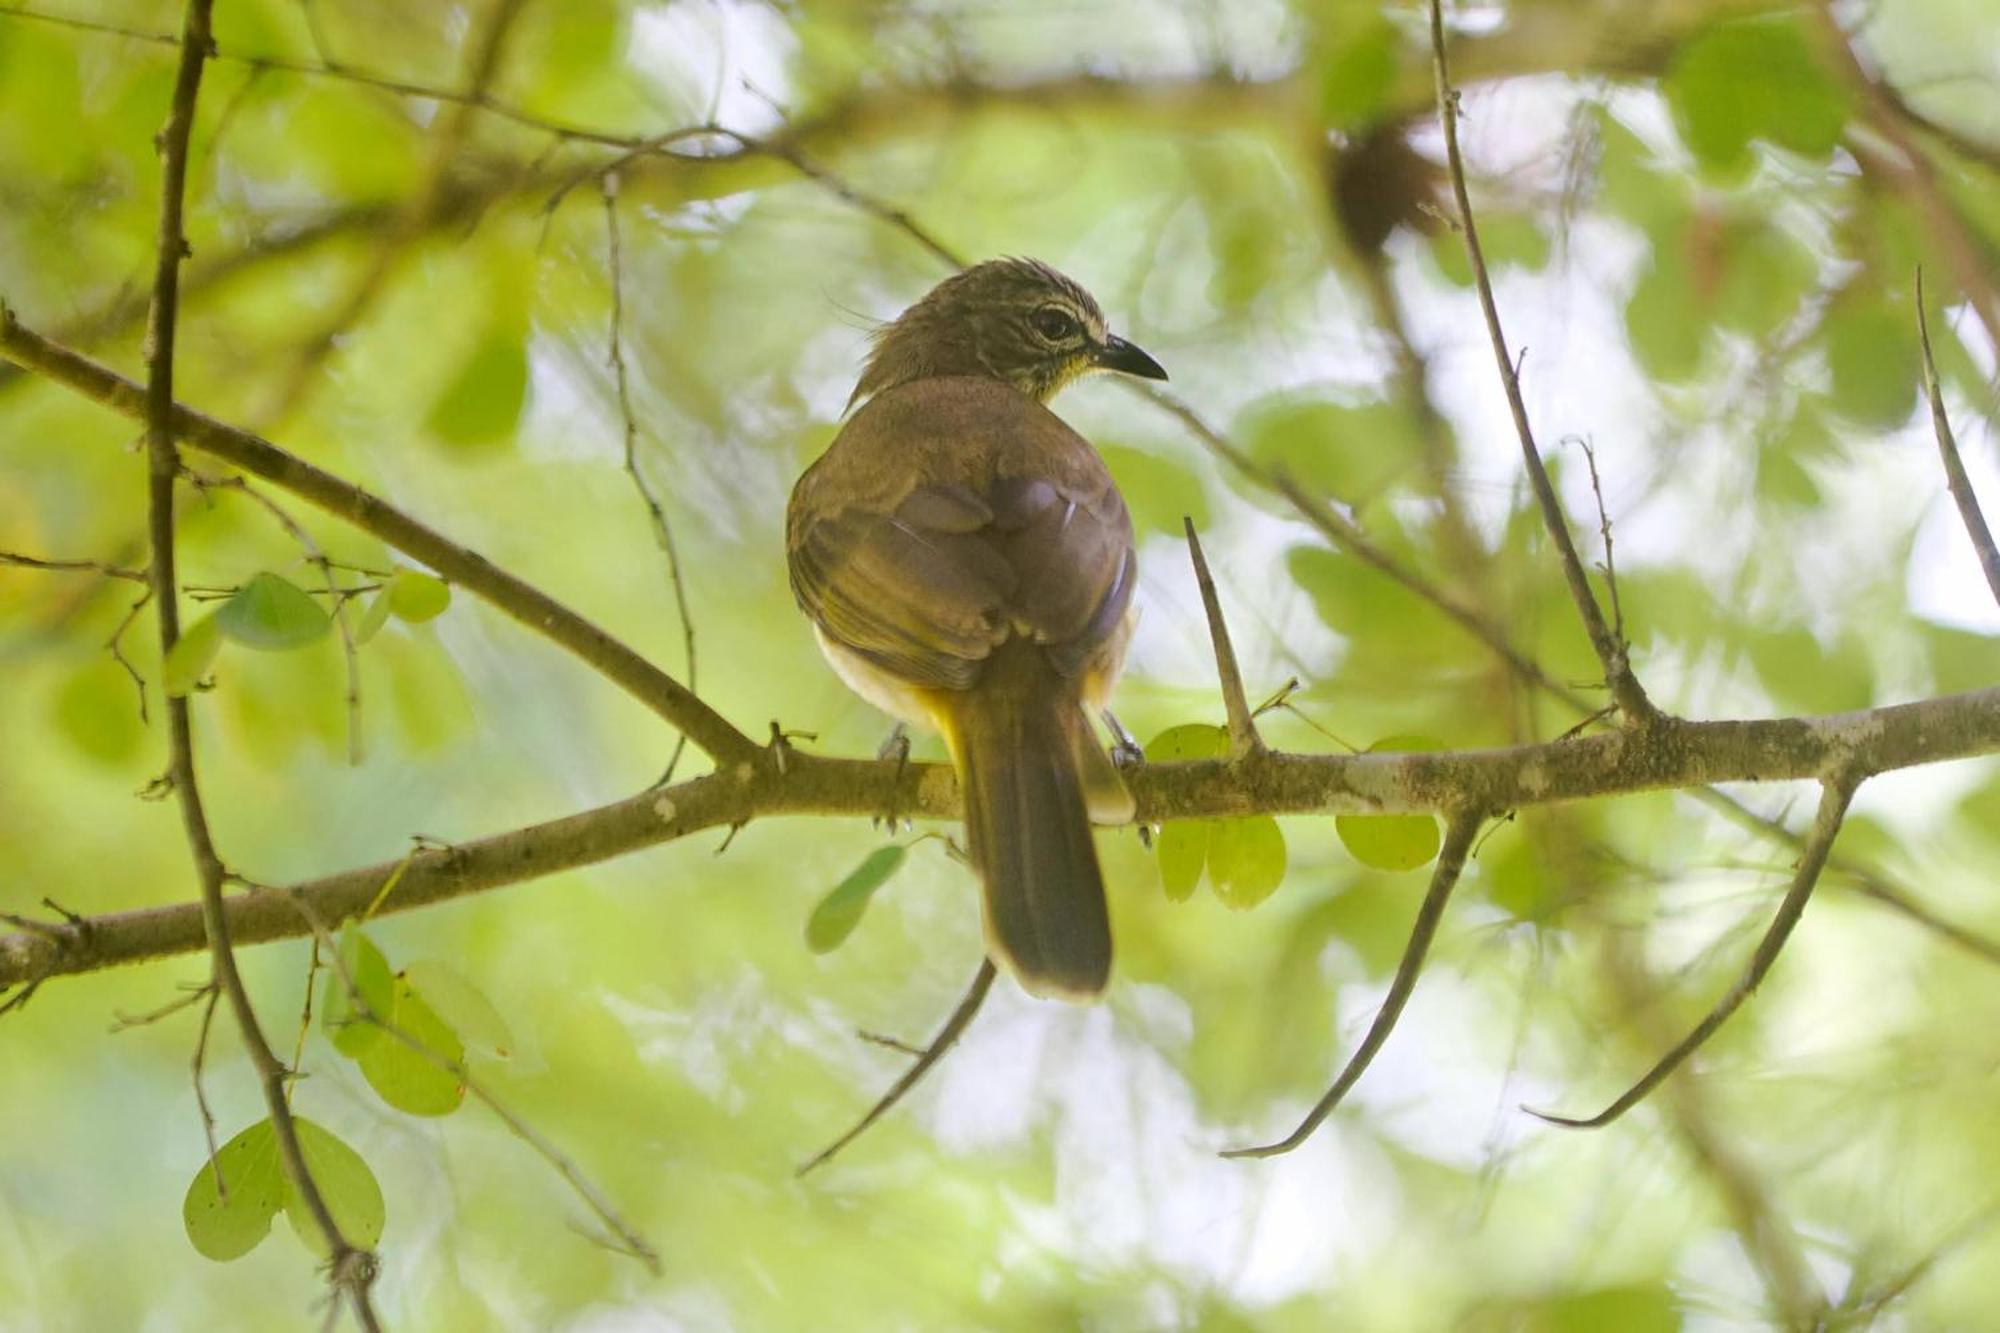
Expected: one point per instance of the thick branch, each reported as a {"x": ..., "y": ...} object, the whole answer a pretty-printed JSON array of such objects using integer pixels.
[
  {"x": 457, "y": 564},
  {"x": 1676, "y": 754}
]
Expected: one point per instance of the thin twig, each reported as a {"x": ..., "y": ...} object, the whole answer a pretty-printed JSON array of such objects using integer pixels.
[
  {"x": 954, "y": 1027},
  {"x": 1459, "y": 830},
  {"x": 353, "y": 1267},
  {"x": 1835, "y": 793},
  {"x": 1604, "y": 533},
  {"x": 1611, "y": 650},
  {"x": 523, "y": 602},
  {"x": 1243, "y": 737},
  {"x": 663, "y": 532},
  {"x": 196, "y": 1063},
  {"x": 1954, "y": 466},
  {"x": 74, "y": 567},
  {"x": 188, "y": 998}
]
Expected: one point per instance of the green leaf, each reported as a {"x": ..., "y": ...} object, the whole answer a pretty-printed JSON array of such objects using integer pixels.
[
  {"x": 407, "y": 1079},
  {"x": 272, "y": 614},
  {"x": 483, "y": 402},
  {"x": 464, "y": 1006},
  {"x": 1393, "y": 842},
  {"x": 837, "y": 914},
  {"x": 1182, "y": 848},
  {"x": 1351, "y": 451},
  {"x": 346, "y": 1185},
  {"x": 227, "y": 1220},
  {"x": 1359, "y": 73},
  {"x": 1666, "y": 330},
  {"x": 415, "y": 597},
  {"x": 1389, "y": 842},
  {"x": 1749, "y": 80},
  {"x": 1246, "y": 860},
  {"x": 1158, "y": 490},
  {"x": 340, "y": 1017},
  {"x": 193, "y": 653},
  {"x": 1873, "y": 361},
  {"x": 98, "y": 712},
  {"x": 374, "y": 618},
  {"x": 1190, "y": 740}
]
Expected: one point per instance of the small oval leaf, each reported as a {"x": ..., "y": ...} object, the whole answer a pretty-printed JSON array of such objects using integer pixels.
[
  {"x": 272, "y": 614},
  {"x": 349, "y": 1188},
  {"x": 840, "y": 911},
  {"x": 408, "y": 1079},
  {"x": 462, "y": 1005},
  {"x": 341, "y": 1018},
  {"x": 1190, "y": 740},
  {"x": 1246, "y": 860},
  {"x": 1390, "y": 842},
  {"x": 193, "y": 654},
  {"x": 1393, "y": 842},
  {"x": 228, "y": 1221},
  {"x": 416, "y": 597},
  {"x": 1183, "y": 850}
]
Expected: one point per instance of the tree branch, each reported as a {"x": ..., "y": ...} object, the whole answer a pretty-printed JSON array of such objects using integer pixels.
[
  {"x": 1459, "y": 831},
  {"x": 1677, "y": 754},
  {"x": 926, "y": 1059},
  {"x": 527, "y": 604},
  {"x": 1625, "y": 688},
  {"x": 1243, "y": 737},
  {"x": 1954, "y": 466},
  {"x": 352, "y": 1268},
  {"x": 1835, "y": 793}
]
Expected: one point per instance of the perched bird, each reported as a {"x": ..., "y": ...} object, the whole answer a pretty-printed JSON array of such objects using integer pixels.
[{"x": 967, "y": 563}]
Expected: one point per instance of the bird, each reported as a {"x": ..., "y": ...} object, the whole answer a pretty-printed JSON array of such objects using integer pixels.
[{"x": 968, "y": 565}]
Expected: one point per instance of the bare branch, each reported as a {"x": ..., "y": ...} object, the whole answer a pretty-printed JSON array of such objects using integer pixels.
[
  {"x": 1678, "y": 754},
  {"x": 954, "y": 1027},
  {"x": 663, "y": 532},
  {"x": 1460, "y": 828},
  {"x": 1611, "y": 650},
  {"x": 526, "y": 604},
  {"x": 1243, "y": 737},
  {"x": 1835, "y": 793},
  {"x": 1954, "y": 466}
]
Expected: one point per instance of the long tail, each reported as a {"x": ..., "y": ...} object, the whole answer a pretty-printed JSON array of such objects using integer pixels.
[{"x": 1018, "y": 738}]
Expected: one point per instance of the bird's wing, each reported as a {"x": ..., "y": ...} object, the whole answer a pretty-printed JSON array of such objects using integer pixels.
[{"x": 927, "y": 584}]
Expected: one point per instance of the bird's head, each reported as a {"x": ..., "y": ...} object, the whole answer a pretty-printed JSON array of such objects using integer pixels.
[{"x": 1015, "y": 320}]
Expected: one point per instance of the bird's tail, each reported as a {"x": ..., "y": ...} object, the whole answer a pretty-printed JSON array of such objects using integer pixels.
[{"x": 1019, "y": 738}]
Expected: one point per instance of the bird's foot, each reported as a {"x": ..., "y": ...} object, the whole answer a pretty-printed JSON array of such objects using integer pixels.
[{"x": 896, "y": 747}]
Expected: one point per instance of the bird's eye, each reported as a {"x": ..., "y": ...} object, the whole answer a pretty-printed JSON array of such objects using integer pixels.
[{"x": 1054, "y": 324}]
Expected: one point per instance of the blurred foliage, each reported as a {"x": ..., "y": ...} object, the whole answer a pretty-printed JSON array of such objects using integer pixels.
[{"x": 1711, "y": 273}]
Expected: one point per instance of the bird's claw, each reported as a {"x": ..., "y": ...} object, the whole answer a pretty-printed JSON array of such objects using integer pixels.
[{"x": 896, "y": 747}]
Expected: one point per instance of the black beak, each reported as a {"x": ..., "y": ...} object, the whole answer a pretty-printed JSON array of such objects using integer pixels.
[{"x": 1117, "y": 354}]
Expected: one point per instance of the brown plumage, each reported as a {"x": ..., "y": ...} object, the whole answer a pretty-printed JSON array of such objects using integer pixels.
[{"x": 967, "y": 563}]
